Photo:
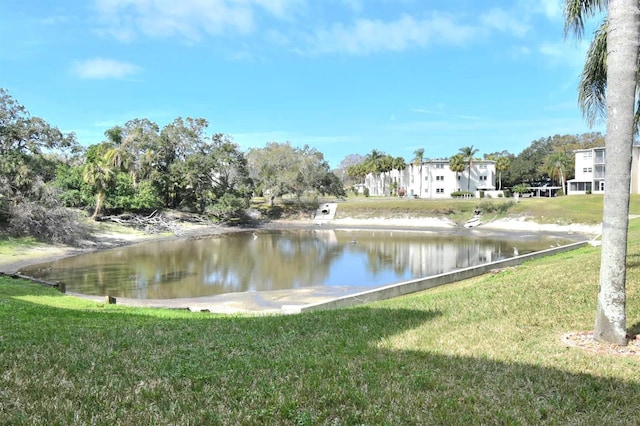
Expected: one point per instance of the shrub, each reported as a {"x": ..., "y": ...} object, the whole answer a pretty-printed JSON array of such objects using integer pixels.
[
  {"x": 229, "y": 208},
  {"x": 42, "y": 215},
  {"x": 459, "y": 194},
  {"x": 521, "y": 188},
  {"x": 491, "y": 207},
  {"x": 366, "y": 191},
  {"x": 51, "y": 224}
]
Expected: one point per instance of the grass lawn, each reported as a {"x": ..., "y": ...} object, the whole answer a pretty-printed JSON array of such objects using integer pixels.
[
  {"x": 482, "y": 351},
  {"x": 586, "y": 209}
]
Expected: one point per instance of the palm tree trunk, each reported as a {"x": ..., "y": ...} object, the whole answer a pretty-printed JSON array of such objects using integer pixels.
[
  {"x": 622, "y": 68},
  {"x": 99, "y": 201}
]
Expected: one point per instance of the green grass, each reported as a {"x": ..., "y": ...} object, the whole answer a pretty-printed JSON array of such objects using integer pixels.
[
  {"x": 8, "y": 244},
  {"x": 483, "y": 351},
  {"x": 586, "y": 209}
]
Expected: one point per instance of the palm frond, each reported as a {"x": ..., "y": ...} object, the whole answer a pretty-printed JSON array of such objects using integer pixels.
[
  {"x": 592, "y": 90},
  {"x": 577, "y": 11}
]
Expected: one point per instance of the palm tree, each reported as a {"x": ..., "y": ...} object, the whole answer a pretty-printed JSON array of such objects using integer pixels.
[
  {"x": 399, "y": 164},
  {"x": 556, "y": 164},
  {"x": 457, "y": 164},
  {"x": 98, "y": 174},
  {"x": 502, "y": 164},
  {"x": 386, "y": 165},
  {"x": 417, "y": 161},
  {"x": 619, "y": 93},
  {"x": 373, "y": 163},
  {"x": 467, "y": 153}
]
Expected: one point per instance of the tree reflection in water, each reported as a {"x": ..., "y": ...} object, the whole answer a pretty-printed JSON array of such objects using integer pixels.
[{"x": 276, "y": 260}]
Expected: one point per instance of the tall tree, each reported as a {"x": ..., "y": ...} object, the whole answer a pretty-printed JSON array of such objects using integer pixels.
[
  {"x": 98, "y": 173},
  {"x": 373, "y": 163},
  {"x": 343, "y": 168},
  {"x": 417, "y": 161},
  {"x": 457, "y": 165},
  {"x": 280, "y": 169},
  {"x": 399, "y": 164},
  {"x": 502, "y": 164},
  {"x": 467, "y": 153},
  {"x": 622, "y": 42},
  {"x": 556, "y": 165}
]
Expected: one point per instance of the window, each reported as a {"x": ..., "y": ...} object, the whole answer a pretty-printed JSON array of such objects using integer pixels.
[
  {"x": 439, "y": 166},
  {"x": 587, "y": 170},
  {"x": 458, "y": 177},
  {"x": 482, "y": 166},
  {"x": 440, "y": 191},
  {"x": 587, "y": 155},
  {"x": 483, "y": 178},
  {"x": 439, "y": 177}
]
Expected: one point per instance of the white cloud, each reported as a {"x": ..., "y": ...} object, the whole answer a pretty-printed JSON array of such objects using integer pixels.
[
  {"x": 565, "y": 53},
  {"x": 553, "y": 10},
  {"x": 367, "y": 36},
  {"x": 498, "y": 19},
  {"x": 190, "y": 19},
  {"x": 100, "y": 69}
]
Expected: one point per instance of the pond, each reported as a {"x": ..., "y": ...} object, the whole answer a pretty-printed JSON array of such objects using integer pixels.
[{"x": 266, "y": 260}]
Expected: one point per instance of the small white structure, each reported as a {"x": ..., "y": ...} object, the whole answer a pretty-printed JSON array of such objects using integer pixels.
[
  {"x": 325, "y": 213},
  {"x": 590, "y": 167},
  {"x": 434, "y": 179}
]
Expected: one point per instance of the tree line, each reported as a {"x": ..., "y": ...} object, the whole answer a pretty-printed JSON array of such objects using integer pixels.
[
  {"x": 546, "y": 160},
  {"x": 141, "y": 167}
]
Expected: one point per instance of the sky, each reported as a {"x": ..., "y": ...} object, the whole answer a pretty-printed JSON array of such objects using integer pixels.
[{"x": 342, "y": 76}]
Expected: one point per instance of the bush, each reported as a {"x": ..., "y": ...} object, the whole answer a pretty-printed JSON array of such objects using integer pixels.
[
  {"x": 521, "y": 188},
  {"x": 229, "y": 208},
  {"x": 366, "y": 191},
  {"x": 461, "y": 194},
  {"x": 56, "y": 224},
  {"x": 42, "y": 215},
  {"x": 491, "y": 207}
]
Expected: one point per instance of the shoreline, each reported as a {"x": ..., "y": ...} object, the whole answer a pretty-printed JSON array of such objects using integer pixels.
[
  {"x": 273, "y": 302},
  {"x": 42, "y": 252}
]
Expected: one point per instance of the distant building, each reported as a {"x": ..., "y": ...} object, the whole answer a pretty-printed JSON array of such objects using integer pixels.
[
  {"x": 438, "y": 181},
  {"x": 590, "y": 168}
]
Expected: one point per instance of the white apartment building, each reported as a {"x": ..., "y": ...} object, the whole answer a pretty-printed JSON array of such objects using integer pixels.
[
  {"x": 590, "y": 168},
  {"x": 434, "y": 179}
]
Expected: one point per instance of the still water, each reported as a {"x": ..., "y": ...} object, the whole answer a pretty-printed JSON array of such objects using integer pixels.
[{"x": 277, "y": 260}]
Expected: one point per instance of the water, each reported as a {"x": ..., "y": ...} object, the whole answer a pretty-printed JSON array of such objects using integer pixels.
[{"x": 277, "y": 260}]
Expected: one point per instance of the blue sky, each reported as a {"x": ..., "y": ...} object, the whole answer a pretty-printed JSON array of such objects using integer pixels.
[{"x": 343, "y": 76}]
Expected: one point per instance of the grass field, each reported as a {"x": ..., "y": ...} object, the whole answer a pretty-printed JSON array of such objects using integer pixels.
[
  {"x": 585, "y": 209},
  {"x": 483, "y": 351}
]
